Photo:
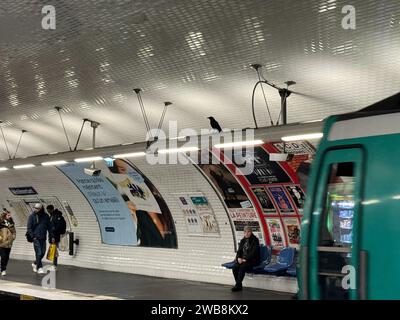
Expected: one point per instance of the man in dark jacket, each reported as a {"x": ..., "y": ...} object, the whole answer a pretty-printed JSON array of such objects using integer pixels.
[
  {"x": 58, "y": 227},
  {"x": 247, "y": 257},
  {"x": 38, "y": 226}
]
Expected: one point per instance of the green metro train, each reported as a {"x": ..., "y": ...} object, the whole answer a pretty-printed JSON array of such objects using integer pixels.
[{"x": 351, "y": 226}]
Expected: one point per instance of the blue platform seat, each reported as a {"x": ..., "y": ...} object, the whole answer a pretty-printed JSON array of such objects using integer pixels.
[
  {"x": 265, "y": 258},
  {"x": 292, "y": 270},
  {"x": 284, "y": 261},
  {"x": 229, "y": 265}
]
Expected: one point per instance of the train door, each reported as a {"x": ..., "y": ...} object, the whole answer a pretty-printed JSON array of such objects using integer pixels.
[{"x": 333, "y": 253}]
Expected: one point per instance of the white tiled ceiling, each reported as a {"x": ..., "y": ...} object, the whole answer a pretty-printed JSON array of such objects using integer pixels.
[{"x": 195, "y": 53}]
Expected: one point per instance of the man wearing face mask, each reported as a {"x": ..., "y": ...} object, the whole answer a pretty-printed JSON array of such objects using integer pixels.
[{"x": 38, "y": 226}]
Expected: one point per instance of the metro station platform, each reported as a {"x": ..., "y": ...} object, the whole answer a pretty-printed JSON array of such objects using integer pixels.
[{"x": 75, "y": 283}]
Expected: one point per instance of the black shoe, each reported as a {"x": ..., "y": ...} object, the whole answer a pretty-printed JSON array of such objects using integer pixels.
[{"x": 236, "y": 288}]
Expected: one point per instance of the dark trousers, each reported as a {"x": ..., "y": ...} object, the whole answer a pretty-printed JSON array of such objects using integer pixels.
[
  {"x": 40, "y": 250},
  {"x": 5, "y": 256},
  {"x": 239, "y": 271}
]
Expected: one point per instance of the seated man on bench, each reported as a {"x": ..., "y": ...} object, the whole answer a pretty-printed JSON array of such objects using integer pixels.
[{"x": 247, "y": 257}]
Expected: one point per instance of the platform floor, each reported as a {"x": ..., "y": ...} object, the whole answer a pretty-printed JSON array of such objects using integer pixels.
[{"x": 131, "y": 286}]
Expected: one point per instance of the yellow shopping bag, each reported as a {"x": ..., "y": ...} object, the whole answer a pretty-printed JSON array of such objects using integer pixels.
[{"x": 52, "y": 253}]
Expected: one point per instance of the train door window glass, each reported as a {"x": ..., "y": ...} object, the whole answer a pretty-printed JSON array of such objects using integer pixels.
[
  {"x": 336, "y": 233},
  {"x": 337, "y": 216}
]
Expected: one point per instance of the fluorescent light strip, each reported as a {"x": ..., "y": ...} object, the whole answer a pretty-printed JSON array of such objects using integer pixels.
[
  {"x": 238, "y": 144},
  {"x": 130, "y": 155},
  {"x": 174, "y": 150},
  {"x": 53, "y": 163},
  {"x": 24, "y": 166},
  {"x": 307, "y": 136},
  {"x": 178, "y": 138},
  {"x": 3, "y": 169},
  {"x": 88, "y": 159}
]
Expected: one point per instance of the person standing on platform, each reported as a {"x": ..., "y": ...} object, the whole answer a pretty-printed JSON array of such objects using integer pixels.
[
  {"x": 7, "y": 237},
  {"x": 38, "y": 226},
  {"x": 57, "y": 228},
  {"x": 247, "y": 257}
]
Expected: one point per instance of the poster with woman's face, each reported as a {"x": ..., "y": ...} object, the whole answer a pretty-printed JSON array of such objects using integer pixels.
[
  {"x": 155, "y": 226},
  {"x": 281, "y": 200}
]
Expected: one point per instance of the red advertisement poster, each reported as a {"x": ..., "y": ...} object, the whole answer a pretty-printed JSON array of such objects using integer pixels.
[
  {"x": 276, "y": 232},
  {"x": 292, "y": 228}
]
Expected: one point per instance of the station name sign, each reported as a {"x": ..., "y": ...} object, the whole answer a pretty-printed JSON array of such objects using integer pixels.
[{"x": 22, "y": 191}]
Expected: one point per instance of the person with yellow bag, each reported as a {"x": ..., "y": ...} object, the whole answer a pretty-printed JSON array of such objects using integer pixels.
[
  {"x": 7, "y": 237},
  {"x": 57, "y": 228},
  {"x": 52, "y": 254}
]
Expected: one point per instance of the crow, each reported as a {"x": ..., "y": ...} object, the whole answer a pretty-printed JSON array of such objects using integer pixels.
[{"x": 214, "y": 124}]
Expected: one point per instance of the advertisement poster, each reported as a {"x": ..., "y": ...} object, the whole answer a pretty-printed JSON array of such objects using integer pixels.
[
  {"x": 19, "y": 210},
  {"x": 231, "y": 191},
  {"x": 242, "y": 217},
  {"x": 192, "y": 218},
  {"x": 199, "y": 216},
  {"x": 240, "y": 208},
  {"x": 292, "y": 228},
  {"x": 265, "y": 171},
  {"x": 304, "y": 153},
  {"x": 296, "y": 147},
  {"x": 281, "y": 200},
  {"x": 117, "y": 226},
  {"x": 130, "y": 210},
  {"x": 297, "y": 196},
  {"x": 130, "y": 184},
  {"x": 276, "y": 232},
  {"x": 155, "y": 226},
  {"x": 264, "y": 199}
]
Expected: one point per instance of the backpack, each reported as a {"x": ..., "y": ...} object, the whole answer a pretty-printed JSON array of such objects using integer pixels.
[{"x": 64, "y": 226}]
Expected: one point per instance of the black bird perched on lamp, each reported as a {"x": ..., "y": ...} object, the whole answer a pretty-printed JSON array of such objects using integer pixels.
[{"x": 214, "y": 124}]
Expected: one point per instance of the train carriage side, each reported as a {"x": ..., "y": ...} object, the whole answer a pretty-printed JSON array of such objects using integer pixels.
[{"x": 351, "y": 226}]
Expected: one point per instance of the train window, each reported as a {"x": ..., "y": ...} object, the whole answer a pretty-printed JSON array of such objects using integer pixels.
[
  {"x": 335, "y": 238},
  {"x": 337, "y": 216}
]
